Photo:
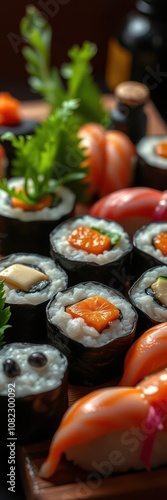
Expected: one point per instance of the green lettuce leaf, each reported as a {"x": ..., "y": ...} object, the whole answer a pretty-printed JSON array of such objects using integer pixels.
[{"x": 52, "y": 156}]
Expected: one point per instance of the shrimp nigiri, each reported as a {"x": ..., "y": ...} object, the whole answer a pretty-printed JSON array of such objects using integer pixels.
[
  {"x": 119, "y": 162},
  {"x": 146, "y": 355},
  {"x": 109, "y": 157},
  {"x": 106, "y": 431},
  {"x": 92, "y": 137}
]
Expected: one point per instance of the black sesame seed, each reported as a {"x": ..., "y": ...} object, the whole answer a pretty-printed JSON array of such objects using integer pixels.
[
  {"x": 11, "y": 368},
  {"x": 37, "y": 359}
]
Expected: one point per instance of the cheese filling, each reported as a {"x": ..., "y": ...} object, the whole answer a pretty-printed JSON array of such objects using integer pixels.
[{"x": 22, "y": 277}]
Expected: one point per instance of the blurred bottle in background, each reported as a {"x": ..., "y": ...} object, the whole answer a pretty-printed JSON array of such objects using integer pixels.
[
  {"x": 128, "y": 115},
  {"x": 138, "y": 51}
]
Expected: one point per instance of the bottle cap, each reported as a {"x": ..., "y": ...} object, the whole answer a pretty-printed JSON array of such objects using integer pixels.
[{"x": 132, "y": 93}]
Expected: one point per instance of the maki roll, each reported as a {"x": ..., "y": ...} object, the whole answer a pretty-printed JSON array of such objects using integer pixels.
[
  {"x": 45, "y": 183},
  {"x": 114, "y": 430},
  {"x": 33, "y": 389},
  {"x": 152, "y": 161},
  {"x": 149, "y": 296},
  {"x": 90, "y": 248},
  {"x": 27, "y": 229},
  {"x": 30, "y": 281},
  {"x": 93, "y": 325},
  {"x": 150, "y": 246}
]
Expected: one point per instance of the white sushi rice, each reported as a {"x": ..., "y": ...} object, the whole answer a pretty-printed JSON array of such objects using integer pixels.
[
  {"x": 60, "y": 243},
  {"x": 115, "y": 452},
  {"x": 32, "y": 380},
  {"x": 77, "y": 329},
  {"x": 56, "y": 275},
  {"x": 146, "y": 302},
  {"x": 67, "y": 199},
  {"x": 143, "y": 240}
]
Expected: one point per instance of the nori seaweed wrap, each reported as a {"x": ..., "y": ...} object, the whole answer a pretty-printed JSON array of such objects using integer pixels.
[{"x": 28, "y": 231}]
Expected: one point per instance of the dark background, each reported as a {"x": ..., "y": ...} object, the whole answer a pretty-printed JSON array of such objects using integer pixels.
[{"x": 72, "y": 21}]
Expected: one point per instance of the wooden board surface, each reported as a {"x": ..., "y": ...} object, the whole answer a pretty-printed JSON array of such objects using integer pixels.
[{"x": 70, "y": 482}]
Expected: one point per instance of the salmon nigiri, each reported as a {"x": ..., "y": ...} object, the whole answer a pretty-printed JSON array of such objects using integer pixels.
[
  {"x": 146, "y": 355},
  {"x": 106, "y": 431}
]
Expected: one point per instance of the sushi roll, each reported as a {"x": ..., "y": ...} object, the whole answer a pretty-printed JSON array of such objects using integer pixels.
[
  {"x": 149, "y": 296},
  {"x": 146, "y": 355},
  {"x": 30, "y": 281},
  {"x": 152, "y": 161},
  {"x": 93, "y": 325},
  {"x": 150, "y": 246},
  {"x": 25, "y": 230},
  {"x": 114, "y": 430},
  {"x": 33, "y": 391},
  {"x": 90, "y": 248}
]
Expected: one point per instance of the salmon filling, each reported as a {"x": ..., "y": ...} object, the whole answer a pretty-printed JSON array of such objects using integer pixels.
[
  {"x": 89, "y": 240},
  {"x": 45, "y": 202},
  {"x": 96, "y": 311},
  {"x": 161, "y": 149}
]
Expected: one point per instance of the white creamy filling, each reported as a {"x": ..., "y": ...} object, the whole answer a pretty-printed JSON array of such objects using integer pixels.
[
  {"x": 145, "y": 237},
  {"x": 77, "y": 329},
  {"x": 60, "y": 243},
  {"x": 67, "y": 199},
  {"x": 32, "y": 380},
  {"x": 145, "y": 302},
  {"x": 57, "y": 277}
]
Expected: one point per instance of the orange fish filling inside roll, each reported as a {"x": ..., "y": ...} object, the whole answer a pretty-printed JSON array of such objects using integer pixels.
[
  {"x": 96, "y": 311},
  {"x": 160, "y": 242},
  {"x": 45, "y": 202},
  {"x": 161, "y": 149},
  {"x": 90, "y": 240}
]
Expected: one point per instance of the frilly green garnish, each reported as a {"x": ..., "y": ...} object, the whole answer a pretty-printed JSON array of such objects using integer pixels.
[
  {"x": 73, "y": 80},
  {"x": 51, "y": 157},
  {"x": 114, "y": 237}
]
